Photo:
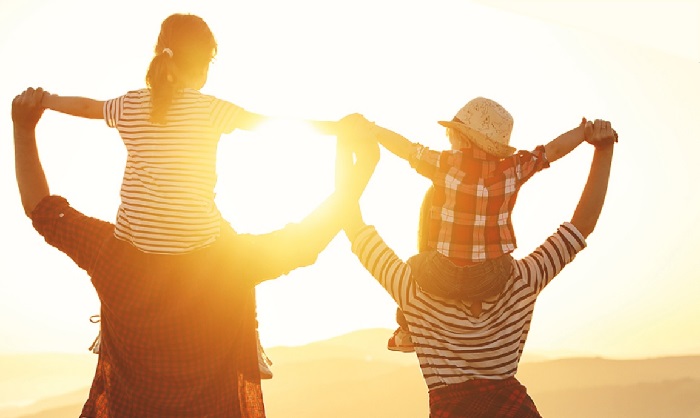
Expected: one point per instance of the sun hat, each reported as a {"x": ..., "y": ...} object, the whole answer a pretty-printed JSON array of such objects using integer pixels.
[{"x": 487, "y": 125}]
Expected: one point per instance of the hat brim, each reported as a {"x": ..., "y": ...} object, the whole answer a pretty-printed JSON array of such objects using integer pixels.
[{"x": 483, "y": 142}]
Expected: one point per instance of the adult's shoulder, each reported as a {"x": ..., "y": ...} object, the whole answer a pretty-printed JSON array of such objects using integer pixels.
[{"x": 540, "y": 266}]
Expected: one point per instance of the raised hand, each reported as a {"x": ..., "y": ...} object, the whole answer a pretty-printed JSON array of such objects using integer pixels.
[
  {"x": 355, "y": 163},
  {"x": 352, "y": 177},
  {"x": 602, "y": 134},
  {"x": 27, "y": 109}
]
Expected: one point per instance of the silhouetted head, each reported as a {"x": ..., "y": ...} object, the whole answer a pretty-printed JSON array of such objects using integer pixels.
[{"x": 183, "y": 52}]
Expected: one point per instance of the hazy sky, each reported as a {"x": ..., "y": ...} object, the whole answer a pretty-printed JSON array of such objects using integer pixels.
[{"x": 632, "y": 293}]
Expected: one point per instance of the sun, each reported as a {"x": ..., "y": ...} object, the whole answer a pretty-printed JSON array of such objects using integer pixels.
[{"x": 274, "y": 175}]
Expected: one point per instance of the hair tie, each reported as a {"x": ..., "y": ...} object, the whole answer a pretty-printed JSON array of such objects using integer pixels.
[{"x": 168, "y": 51}]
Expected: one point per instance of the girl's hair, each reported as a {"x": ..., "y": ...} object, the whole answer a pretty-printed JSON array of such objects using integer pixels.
[
  {"x": 424, "y": 220},
  {"x": 184, "y": 50}
]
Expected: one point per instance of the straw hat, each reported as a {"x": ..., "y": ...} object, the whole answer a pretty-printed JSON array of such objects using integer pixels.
[{"x": 487, "y": 125}]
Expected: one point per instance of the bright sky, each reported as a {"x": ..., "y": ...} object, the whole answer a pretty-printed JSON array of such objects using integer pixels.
[{"x": 405, "y": 65}]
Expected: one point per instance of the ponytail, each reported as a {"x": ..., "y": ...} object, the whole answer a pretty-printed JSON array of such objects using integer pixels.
[
  {"x": 161, "y": 80},
  {"x": 183, "y": 52}
]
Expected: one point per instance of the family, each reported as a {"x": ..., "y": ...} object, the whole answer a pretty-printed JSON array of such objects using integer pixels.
[{"x": 176, "y": 282}]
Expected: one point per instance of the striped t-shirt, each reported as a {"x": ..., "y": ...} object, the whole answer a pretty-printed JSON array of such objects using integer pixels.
[
  {"x": 452, "y": 344},
  {"x": 167, "y": 193}
]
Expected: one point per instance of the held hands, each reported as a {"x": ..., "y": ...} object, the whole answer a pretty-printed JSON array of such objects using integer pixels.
[
  {"x": 27, "y": 108},
  {"x": 356, "y": 127},
  {"x": 587, "y": 127},
  {"x": 356, "y": 156},
  {"x": 601, "y": 134},
  {"x": 355, "y": 164}
]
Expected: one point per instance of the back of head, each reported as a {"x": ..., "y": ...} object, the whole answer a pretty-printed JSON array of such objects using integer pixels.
[
  {"x": 483, "y": 123},
  {"x": 458, "y": 139},
  {"x": 183, "y": 52}
]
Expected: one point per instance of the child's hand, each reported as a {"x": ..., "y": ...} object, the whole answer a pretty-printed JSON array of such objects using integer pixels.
[
  {"x": 356, "y": 128},
  {"x": 587, "y": 127},
  {"x": 353, "y": 124},
  {"x": 43, "y": 102}
]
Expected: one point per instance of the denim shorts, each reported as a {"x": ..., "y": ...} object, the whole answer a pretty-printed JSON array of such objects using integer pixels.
[{"x": 437, "y": 275}]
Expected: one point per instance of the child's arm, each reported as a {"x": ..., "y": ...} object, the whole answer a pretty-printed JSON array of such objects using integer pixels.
[
  {"x": 76, "y": 106},
  {"x": 395, "y": 143},
  {"x": 390, "y": 140},
  {"x": 248, "y": 120},
  {"x": 566, "y": 142}
]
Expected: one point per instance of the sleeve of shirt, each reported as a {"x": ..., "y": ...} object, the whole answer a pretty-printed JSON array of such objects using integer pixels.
[
  {"x": 77, "y": 235},
  {"x": 385, "y": 266},
  {"x": 530, "y": 162},
  {"x": 112, "y": 111},
  {"x": 425, "y": 161},
  {"x": 224, "y": 114},
  {"x": 543, "y": 264}
]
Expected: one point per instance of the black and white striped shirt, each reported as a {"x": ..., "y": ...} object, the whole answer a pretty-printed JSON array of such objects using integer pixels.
[
  {"x": 453, "y": 345},
  {"x": 167, "y": 193}
]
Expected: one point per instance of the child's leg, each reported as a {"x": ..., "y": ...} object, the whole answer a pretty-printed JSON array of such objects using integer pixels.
[
  {"x": 264, "y": 362},
  {"x": 401, "y": 319},
  {"x": 439, "y": 276},
  {"x": 401, "y": 339}
]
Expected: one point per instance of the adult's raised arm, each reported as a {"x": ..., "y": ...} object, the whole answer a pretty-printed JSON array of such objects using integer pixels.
[
  {"x": 592, "y": 198},
  {"x": 268, "y": 256},
  {"x": 31, "y": 180}
]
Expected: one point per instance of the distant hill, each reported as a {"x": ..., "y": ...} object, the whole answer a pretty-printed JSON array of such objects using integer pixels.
[
  {"x": 27, "y": 378},
  {"x": 672, "y": 398},
  {"x": 62, "y": 406},
  {"x": 354, "y": 376},
  {"x": 601, "y": 388}
]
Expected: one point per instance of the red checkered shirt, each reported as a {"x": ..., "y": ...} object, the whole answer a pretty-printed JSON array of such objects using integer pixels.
[
  {"x": 178, "y": 331},
  {"x": 470, "y": 216}
]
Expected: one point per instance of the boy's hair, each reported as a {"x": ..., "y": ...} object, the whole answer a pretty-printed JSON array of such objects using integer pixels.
[
  {"x": 184, "y": 49},
  {"x": 458, "y": 139}
]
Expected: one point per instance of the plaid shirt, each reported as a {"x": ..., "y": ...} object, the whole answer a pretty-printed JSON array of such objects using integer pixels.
[
  {"x": 178, "y": 331},
  {"x": 470, "y": 216},
  {"x": 483, "y": 398}
]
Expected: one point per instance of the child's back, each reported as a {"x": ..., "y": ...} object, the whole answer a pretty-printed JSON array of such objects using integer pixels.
[
  {"x": 476, "y": 183},
  {"x": 167, "y": 194},
  {"x": 171, "y": 133},
  {"x": 475, "y": 192}
]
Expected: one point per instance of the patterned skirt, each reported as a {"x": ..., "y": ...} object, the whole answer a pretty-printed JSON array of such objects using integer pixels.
[{"x": 481, "y": 398}]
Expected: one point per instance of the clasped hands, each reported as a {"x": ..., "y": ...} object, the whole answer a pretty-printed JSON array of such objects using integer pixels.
[
  {"x": 599, "y": 133},
  {"x": 357, "y": 151},
  {"x": 27, "y": 109}
]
